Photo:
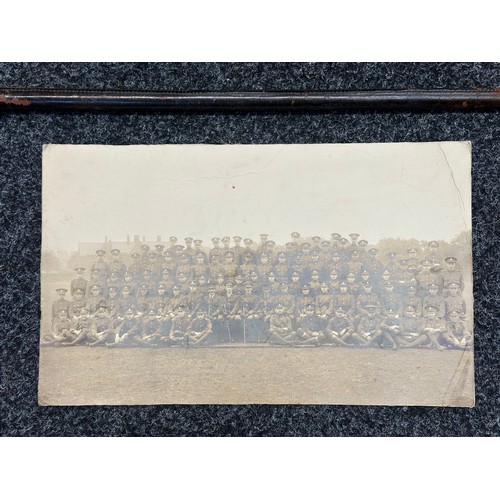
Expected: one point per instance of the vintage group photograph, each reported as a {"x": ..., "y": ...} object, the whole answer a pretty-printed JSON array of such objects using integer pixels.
[{"x": 336, "y": 274}]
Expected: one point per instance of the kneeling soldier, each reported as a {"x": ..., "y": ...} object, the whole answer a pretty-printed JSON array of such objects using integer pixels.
[
  {"x": 339, "y": 328},
  {"x": 200, "y": 328}
]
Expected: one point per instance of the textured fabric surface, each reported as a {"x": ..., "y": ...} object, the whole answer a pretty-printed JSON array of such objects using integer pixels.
[{"x": 21, "y": 140}]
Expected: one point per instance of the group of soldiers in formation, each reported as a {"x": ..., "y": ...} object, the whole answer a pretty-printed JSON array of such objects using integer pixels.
[{"x": 315, "y": 292}]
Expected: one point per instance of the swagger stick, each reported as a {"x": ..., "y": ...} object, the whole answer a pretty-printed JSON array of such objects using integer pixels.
[{"x": 19, "y": 99}]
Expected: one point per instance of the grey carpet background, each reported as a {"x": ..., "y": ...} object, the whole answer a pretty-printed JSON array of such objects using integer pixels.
[{"x": 21, "y": 139}]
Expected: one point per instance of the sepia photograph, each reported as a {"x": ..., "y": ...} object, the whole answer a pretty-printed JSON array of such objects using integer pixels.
[{"x": 257, "y": 274}]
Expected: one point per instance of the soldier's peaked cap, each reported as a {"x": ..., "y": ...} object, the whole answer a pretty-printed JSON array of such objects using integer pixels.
[
  {"x": 450, "y": 259},
  {"x": 79, "y": 269},
  {"x": 61, "y": 289}
]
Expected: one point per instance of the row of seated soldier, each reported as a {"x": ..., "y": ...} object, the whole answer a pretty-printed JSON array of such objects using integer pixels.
[{"x": 310, "y": 293}]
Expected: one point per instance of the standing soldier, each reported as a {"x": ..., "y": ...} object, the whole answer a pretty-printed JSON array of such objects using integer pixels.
[
  {"x": 354, "y": 287},
  {"x": 77, "y": 303},
  {"x": 173, "y": 243},
  {"x": 315, "y": 283},
  {"x": 450, "y": 275},
  {"x": 426, "y": 277},
  {"x": 316, "y": 265},
  {"x": 316, "y": 244},
  {"x": 263, "y": 265},
  {"x": 267, "y": 303},
  {"x": 296, "y": 283},
  {"x": 169, "y": 262},
  {"x": 136, "y": 268},
  {"x": 184, "y": 267},
  {"x": 286, "y": 299},
  {"x": 60, "y": 304},
  {"x": 116, "y": 265},
  {"x": 333, "y": 281},
  {"x": 453, "y": 300},
  {"x": 95, "y": 298},
  {"x": 215, "y": 266},
  {"x": 337, "y": 264},
  {"x": 100, "y": 264},
  {"x": 372, "y": 264},
  {"x": 290, "y": 249},
  {"x": 200, "y": 268},
  {"x": 238, "y": 249},
  {"x": 193, "y": 298},
  {"x": 295, "y": 238},
  {"x": 79, "y": 282},
  {"x": 159, "y": 301},
  {"x": 299, "y": 266},
  {"x": 353, "y": 245},
  {"x": 263, "y": 243},
  {"x": 248, "y": 264},
  {"x": 326, "y": 254},
  {"x": 189, "y": 250},
  {"x": 354, "y": 265},
  {"x": 433, "y": 298},
  {"x": 230, "y": 267},
  {"x": 248, "y": 247},
  {"x": 226, "y": 240},
  {"x": 335, "y": 241},
  {"x": 216, "y": 250},
  {"x": 96, "y": 278},
  {"x": 281, "y": 268},
  {"x": 361, "y": 248},
  {"x": 392, "y": 266},
  {"x": 345, "y": 300},
  {"x": 198, "y": 249},
  {"x": 433, "y": 254},
  {"x": 413, "y": 261}
]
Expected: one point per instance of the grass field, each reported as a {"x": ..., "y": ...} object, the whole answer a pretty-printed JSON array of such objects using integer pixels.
[{"x": 262, "y": 374}]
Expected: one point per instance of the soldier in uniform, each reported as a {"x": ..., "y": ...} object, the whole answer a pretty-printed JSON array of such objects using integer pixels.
[
  {"x": 215, "y": 266},
  {"x": 128, "y": 332},
  {"x": 324, "y": 303},
  {"x": 184, "y": 267},
  {"x": 273, "y": 282},
  {"x": 198, "y": 249},
  {"x": 151, "y": 328},
  {"x": 169, "y": 262},
  {"x": 116, "y": 265},
  {"x": 96, "y": 278},
  {"x": 100, "y": 264},
  {"x": 193, "y": 298},
  {"x": 315, "y": 283},
  {"x": 457, "y": 334},
  {"x": 79, "y": 282},
  {"x": 200, "y": 268},
  {"x": 77, "y": 303},
  {"x": 433, "y": 326},
  {"x": 354, "y": 265},
  {"x": 102, "y": 329},
  {"x": 365, "y": 298},
  {"x": 248, "y": 310},
  {"x": 299, "y": 266},
  {"x": 267, "y": 303},
  {"x": 199, "y": 330},
  {"x": 296, "y": 283},
  {"x": 339, "y": 328},
  {"x": 450, "y": 275},
  {"x": 216, "y": 250},
  {"x": 413, "y": 299},
  {"x": 334, "y": 281},
  {"x": 325, "y": 254},
  {"x": 372, "y": 264},
  {"x": 353, "y": 245},
  {"x": 96, "y": 296},
  {"x": 231, "y": 326},
  {"x": 310, "y": 327},
  {"x": 345, "y": 300},
  {"x": 392, "y": 266},
  {"x": 453, "y": 300},
  {"x": 211, "y": 303},
  {"x": 143, "y": 299},
  {"x": 361, "y": 248},
  {"x": 189, "y": 250},
  {"x": 226, "y": 240},
  {"x": 369, "y": 330},
  {"x": 263, "y": 243},
  {"x": 304, "y": 300},
  {"x": 248, "y": 242},
  {"x": 60, "y": 331},
  {"x": 136, "y": 267},
  {"x": 354, "y": 287},
  {"x": 295, "y": 238},
  {"x": 281, "y": 269},
  {"x": 230, "y": 267},
  {"x": 159, "y": 301},
  {"x": 180, "y": 324},
  {"x": 433, "y": 298},
  {"x": 280, "y": 327},
  {"x": 113, "y": 302},
  {"x": 433, "y": 254},
  {"x": 334, "y": 241},
  {"x": 126, "y": 301},
  {"x": 410, "y": 334},
  {"x": 316, "y": 244},
  {"x": 413, "y": 261},
  {"x": 263, "y": 265},
  {"x": 316, "y": 265},
  {"x": 220, "y": 286},
  {"x": 286, "y": 299},
  {"x": 238, "y": 249},
  {"x": 391, "y": 328},
  {"x": 81, "y": 328},
  {"x": 290, "y": 249},
  {"x": 344, "y": 250},
  {"x": 425, "y": 277},
  {"x": 248, "y": 265},
  {"x": 173, "y": 243},
  {"x": 391, "y": 300}
]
